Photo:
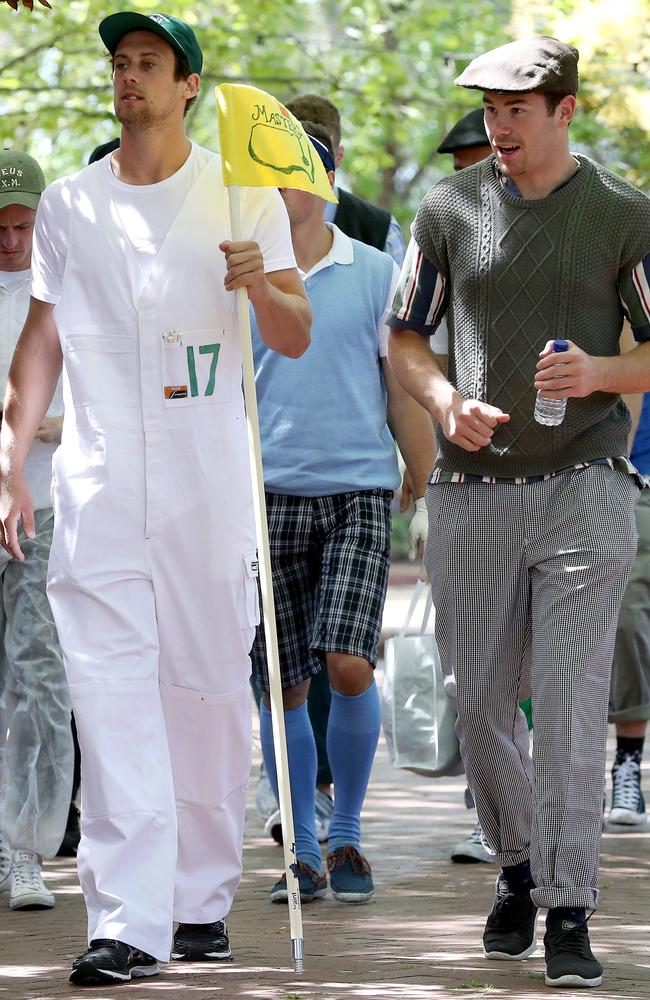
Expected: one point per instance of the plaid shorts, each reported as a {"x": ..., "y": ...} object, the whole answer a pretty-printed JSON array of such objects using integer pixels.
[{"x": 330, "y": 558}]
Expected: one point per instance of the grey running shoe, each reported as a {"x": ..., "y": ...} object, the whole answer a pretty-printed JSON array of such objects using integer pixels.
[
  {"x": 323, "y": 815},
  {"x": 472, "y": 849}
]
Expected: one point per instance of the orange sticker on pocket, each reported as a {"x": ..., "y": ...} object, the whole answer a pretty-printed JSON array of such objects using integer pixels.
[{"x": 175, "y": 392}]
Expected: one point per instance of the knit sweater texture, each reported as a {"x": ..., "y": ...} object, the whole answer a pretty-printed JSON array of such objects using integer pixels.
[{"x": 522, "y": 272}]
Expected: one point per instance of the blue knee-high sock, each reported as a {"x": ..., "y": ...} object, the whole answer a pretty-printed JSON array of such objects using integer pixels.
[
  {"x": 303, "y": 765},
  {"x": 352, "y": 735}
]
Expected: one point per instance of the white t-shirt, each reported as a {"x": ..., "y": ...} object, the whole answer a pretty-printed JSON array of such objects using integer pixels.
[
  {"x": 145, "y": 213},
  {"x": 14, "y": 304}
]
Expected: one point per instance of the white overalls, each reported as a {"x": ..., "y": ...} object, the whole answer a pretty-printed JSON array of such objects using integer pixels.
[{"x": 152, "y": 566}]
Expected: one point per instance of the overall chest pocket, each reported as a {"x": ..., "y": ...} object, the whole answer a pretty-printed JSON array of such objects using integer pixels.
[
  {"x": 194, "y": 368},
  {"x": 101, "y": 369}
]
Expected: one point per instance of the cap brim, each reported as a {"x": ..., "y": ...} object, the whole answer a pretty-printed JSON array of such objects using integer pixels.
[
  {"x": 26, "y": 198},
  {"x": 116, "y": 26}
]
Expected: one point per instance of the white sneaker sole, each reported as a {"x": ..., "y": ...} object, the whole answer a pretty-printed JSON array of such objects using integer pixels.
[
  {"x": 625, "y": 817},
  {"x": 33, "y": 901},
  {"x": 570, "y": 980},
  {"x": 353, "y": 897},
  {"x": 102, "y": 977}
]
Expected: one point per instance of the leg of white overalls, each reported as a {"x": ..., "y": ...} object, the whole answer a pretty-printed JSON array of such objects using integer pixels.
[
  {"x": 204, "y": 672},
  {"x": 106, "y": 621},
  {"x": 582, "y": 539},
  {"x": 39, "y": 750},
  {"x": 481, "y": 595}
]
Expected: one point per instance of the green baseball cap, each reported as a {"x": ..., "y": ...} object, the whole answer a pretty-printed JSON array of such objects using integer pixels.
[
  {"x": 178, "y": 34},
  {"x": 21, "y": 179}
]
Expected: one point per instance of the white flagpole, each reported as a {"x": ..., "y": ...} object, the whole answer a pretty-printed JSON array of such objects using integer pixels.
[{"x": 272, "y": 655}]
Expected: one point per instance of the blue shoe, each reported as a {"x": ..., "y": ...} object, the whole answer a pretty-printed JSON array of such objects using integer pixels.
[
  {"x": 312, "y": 884},
  {"x": 350, "y": 876}
]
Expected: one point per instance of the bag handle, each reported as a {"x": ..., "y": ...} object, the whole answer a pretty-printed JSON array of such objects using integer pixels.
[{"x": 417, "y": 593}]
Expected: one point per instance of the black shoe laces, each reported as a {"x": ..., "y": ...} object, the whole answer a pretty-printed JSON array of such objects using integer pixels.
[{"x": 573, "y": 939}]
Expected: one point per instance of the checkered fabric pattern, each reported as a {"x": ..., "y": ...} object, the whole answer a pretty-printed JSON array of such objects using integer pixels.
[
  {"x": 330, "y": 558},
  {"x": 527, "y": 582}
]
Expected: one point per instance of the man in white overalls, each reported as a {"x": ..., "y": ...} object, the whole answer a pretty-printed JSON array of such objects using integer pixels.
[{"x": 152, "y": 571}]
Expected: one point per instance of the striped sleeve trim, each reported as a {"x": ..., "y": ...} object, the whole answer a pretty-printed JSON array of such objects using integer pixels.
[
  {"x": 420, "y": 299},
  {"x": 634, "y": 290}
]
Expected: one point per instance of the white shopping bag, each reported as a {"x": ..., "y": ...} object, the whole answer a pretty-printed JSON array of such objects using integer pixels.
[{"x": 418, "y": 718}]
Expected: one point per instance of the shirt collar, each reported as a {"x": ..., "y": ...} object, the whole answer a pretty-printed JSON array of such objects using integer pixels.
[
  {"x": 340, "y": 252},
  {"x": 11, "y": 280}
]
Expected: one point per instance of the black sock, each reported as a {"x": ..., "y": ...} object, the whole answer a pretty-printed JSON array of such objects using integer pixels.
[
  {"x": 631, "y": 746},
  {"x": 556, "y": 916},
  {"x": 519, "y": 877}
]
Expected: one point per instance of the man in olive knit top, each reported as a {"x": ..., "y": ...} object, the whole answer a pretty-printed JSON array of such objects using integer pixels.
[{"x": 531, "y": 528}]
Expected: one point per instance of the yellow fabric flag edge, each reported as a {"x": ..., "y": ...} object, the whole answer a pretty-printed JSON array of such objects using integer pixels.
[{"x": 263, "y": 145}]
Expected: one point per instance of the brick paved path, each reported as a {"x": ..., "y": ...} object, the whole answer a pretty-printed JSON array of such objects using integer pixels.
[{"x": 419, "y": 938}]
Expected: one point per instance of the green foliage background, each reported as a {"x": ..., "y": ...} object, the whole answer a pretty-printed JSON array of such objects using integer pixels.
[{"x": 388, "y": 64}]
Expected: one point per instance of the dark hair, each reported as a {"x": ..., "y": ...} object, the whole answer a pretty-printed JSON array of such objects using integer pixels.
[
  {"x": 552, "y": 101},
  {"x": 318, "y": 132},
  {"x": 320, "y": 110},
  {"x": 181, "y": 72}
]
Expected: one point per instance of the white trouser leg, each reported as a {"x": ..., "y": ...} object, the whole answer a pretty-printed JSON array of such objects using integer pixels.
[
  {"x": 210, "y": 744},
  {"x": 127, "y": 854}
]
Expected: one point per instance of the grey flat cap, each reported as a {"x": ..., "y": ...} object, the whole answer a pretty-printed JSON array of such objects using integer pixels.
[
  {"x": 540, "y": 63},
  {"x": 468, "y": 132}
]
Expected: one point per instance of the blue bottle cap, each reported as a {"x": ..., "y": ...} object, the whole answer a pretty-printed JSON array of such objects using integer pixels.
[{"x": 560, "y": 345}]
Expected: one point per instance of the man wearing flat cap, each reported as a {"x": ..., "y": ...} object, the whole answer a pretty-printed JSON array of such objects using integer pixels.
[
  {"x": 152, "y": 572},
  {"x": 531, "y": 527},
  {"x": 467, "y": 141}
]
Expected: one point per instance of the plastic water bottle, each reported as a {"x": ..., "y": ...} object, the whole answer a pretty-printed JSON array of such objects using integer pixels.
[{"x": 551, "y": 411}]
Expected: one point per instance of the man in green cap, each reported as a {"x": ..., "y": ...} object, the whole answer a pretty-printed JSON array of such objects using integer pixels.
[
  {"x": 531, "y": 527},
  {"x": 35, "y": 737},
  {"x": 153, "y": 568}
]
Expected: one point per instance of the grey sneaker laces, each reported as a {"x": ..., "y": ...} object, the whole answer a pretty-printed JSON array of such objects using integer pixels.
[{"x": 627, "y": 787}]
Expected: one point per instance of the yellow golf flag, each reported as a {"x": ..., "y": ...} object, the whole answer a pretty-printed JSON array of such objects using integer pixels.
[{"x": 263, "y": 145}]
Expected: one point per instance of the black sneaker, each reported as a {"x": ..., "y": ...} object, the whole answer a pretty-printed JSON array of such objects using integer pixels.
[
  {"x": 569, "y": 958},
  {"x": 111, "y": 962},
  {"x": 201, "y": 942},
  {"x": 509, "y": 933}
]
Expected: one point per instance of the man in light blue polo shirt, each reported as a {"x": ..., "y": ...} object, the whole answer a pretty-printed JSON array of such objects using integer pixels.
[{"x": 330, "y": 469}]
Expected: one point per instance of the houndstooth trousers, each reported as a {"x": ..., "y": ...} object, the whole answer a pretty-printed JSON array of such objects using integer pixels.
[{"x": 527, "y": 580}]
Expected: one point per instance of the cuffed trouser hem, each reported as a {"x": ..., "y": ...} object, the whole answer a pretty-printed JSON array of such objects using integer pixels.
[
  {"x": 508, "y": 860},
  {"x": 571, "y": 897}
]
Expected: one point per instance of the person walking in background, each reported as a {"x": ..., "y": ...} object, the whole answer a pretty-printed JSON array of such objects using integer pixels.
[
  {"x": 629, "y": 695},
  {"x": 531, "y": 528},
  {"x": 36, "y": 756},
  {"x": 354, "y": 216},
  {"x": 376, "y": 227},
  {"x": 152, "y": 570},
  {"x": 329, "y": 470}
]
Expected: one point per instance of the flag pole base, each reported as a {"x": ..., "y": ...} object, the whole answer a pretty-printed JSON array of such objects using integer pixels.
[{"x": 296, "y": 954}]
